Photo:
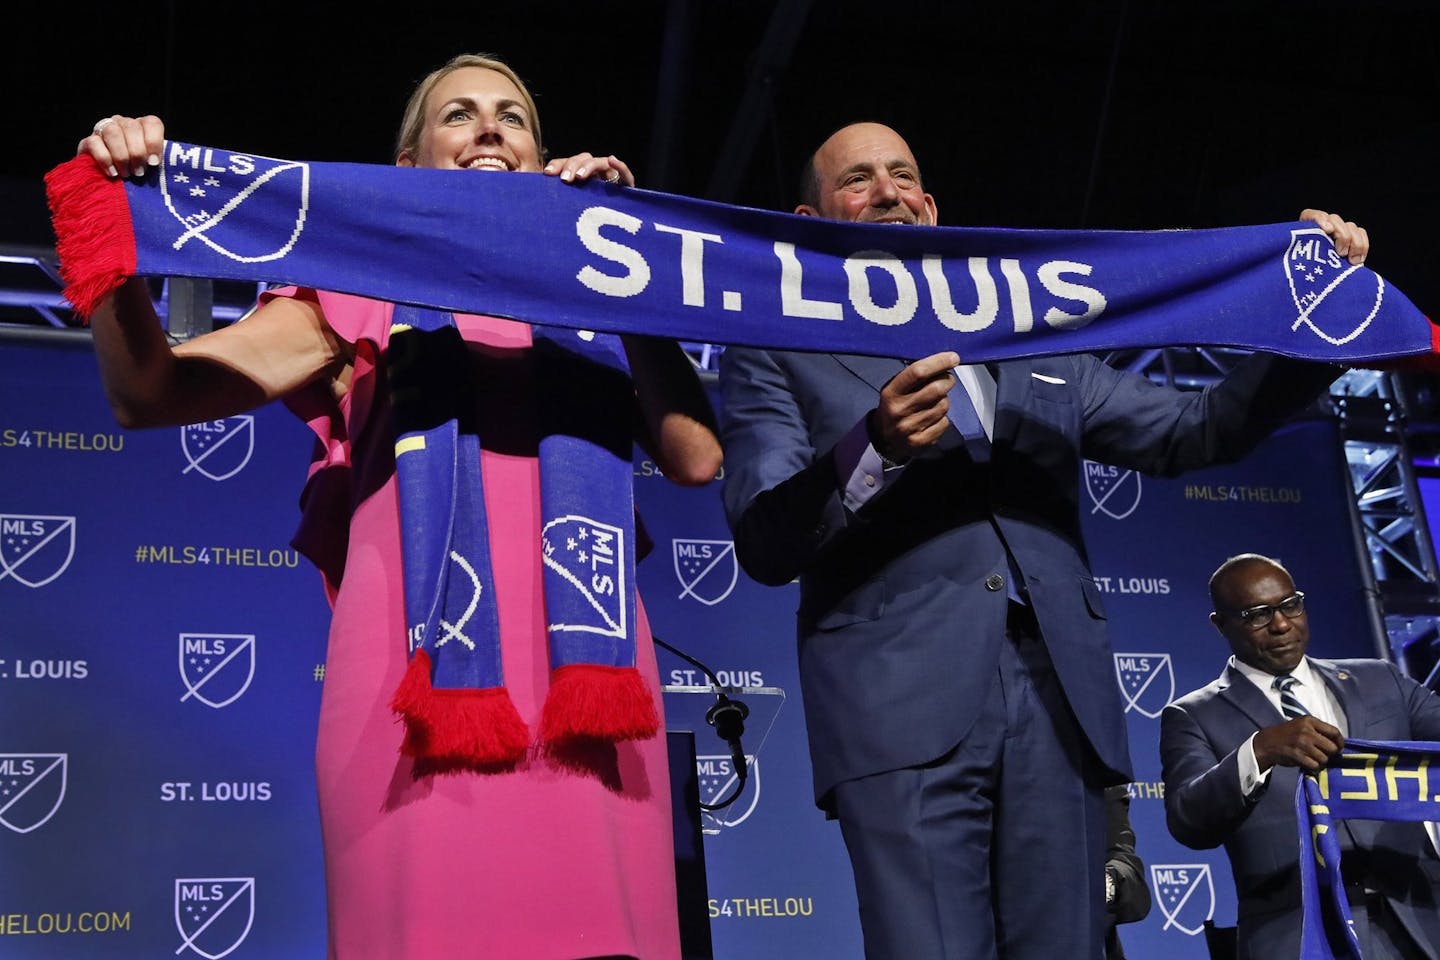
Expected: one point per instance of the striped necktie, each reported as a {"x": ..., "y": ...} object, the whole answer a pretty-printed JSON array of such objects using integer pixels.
[{"x": 1290, "y": 704}]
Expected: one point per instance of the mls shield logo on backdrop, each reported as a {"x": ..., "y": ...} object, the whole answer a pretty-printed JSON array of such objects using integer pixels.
[
  {"x": 32, "y": 787},
  {"x": 1185, "y": 894},
  {"x": 1147, "y": 682},
  {"x": 590, "y": 556},
  {"x": 214, "y": 914},
  {"x": 1114, "y": 491},
  {"x": 706, "y": 569},
  {"x": 218, "y": 449},
  {"x": 1316, "y": 274},
  {"x": 34, "y": 550},
  {"x": 202, "y": 187},
  {"x": 717, "y": 781},
  {"x": 216, "y": 667}
]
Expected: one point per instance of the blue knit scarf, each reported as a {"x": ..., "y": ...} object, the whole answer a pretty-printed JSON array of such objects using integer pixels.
[
  {"x": 453, "y": 698},
  {"x": 1370, "y": 780},
  {"x": 622, "y": 260}
]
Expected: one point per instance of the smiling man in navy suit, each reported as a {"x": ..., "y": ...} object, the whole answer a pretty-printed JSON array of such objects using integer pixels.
[
  {"x": 1232, "y": 751},
  {"x": 958, "y": 683}
]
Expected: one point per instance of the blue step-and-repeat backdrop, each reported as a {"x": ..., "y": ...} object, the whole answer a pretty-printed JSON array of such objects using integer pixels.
[{"x": 162, "y": 654}]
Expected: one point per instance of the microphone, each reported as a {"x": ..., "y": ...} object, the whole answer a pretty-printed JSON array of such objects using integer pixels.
[{"x": 728, "y": 718}]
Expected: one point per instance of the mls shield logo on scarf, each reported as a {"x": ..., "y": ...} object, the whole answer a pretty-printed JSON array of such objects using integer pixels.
[
  {"x": 1114, "y": 491},
  {"x": 590, "y": 556},
  {"x": 34, "y": 550},
  {"x": 1147, "y": 682},
  {"x": 1317, "y": 274},
  {"x": 706, "y": 569},
  {"x": 216, "y": 667},
  {"x": 468, "y": 602},
  {"x": 203, "y": 186},
  {"x": 32, "y": 786},
  {"x": 214, "y": 914},
  {"x": 1185, "y": 894},
  {"x": 218, "y": 449}
]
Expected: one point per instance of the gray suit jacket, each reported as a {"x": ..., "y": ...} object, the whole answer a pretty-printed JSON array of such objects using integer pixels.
[
  {"x": 1200, "y": 737},
  {"x": 899, "y": 633}
]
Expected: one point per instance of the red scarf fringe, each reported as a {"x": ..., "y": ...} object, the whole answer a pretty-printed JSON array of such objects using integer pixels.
[
  {"x": 464, "y": 728},
  {"x": 94, "y": 236},
  {"x": 481, "y": 729},
  {"x": 595, "y": 702}
]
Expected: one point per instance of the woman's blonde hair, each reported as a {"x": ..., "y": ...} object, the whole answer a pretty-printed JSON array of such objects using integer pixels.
[{"x": 413, "y": 122}]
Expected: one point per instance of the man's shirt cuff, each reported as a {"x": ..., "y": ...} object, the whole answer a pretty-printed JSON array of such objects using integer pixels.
[
  {"x": 859, "y": 470},
  {"x": 1251, "y": 779}
]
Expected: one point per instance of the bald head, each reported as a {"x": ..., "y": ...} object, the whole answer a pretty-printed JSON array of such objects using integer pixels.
[
  {"x": 865, "y": 173},
  {"x": 1238, "y": 568}
]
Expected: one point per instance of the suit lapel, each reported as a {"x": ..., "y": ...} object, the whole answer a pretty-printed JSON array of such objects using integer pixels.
[
  {"x": 1343, "y": 685},
  {"x": 875, "y": 371},
  {"x": 1346, "y": 688},
  {"x": 1237, "y": 690},
  {"x": 1013, "y": 387}
]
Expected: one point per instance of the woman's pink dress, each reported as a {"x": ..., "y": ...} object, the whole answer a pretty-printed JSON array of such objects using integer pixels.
[{"x": 560, "y": 858}]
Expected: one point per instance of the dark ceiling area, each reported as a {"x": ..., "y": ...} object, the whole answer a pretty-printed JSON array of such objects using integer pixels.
[{"x": 1116, "y": 114}]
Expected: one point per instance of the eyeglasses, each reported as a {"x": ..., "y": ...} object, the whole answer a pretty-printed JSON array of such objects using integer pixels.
[{"x": 1261, "y": 614}]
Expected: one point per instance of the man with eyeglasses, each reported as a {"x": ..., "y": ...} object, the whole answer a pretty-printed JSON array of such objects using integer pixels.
[{"x": 1232, "y": 752}]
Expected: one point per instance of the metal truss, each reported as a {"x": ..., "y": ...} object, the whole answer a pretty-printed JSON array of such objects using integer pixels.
[
  {"x": 1398, "y": 566},
  {"x": 1388, "y": 515},
  {"x": 31, "y": 304},
  {"x": 31, "y": 298}
]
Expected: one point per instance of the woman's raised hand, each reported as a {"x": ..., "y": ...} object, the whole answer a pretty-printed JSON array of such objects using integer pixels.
[{"x": 124, "y": 146}]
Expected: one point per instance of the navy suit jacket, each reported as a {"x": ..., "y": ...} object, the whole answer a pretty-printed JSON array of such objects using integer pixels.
[
  {"x": 899, "y": 634},
  {"x": 1200, "y": 737}
]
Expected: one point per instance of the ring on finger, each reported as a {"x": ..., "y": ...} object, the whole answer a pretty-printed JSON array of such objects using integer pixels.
[
  {"x": 100, "y": 125},
  {"x": 613, "y": 176}
]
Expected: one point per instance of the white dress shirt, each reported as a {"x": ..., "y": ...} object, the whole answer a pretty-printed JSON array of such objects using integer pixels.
[{"x": 1313, "y": 694}]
